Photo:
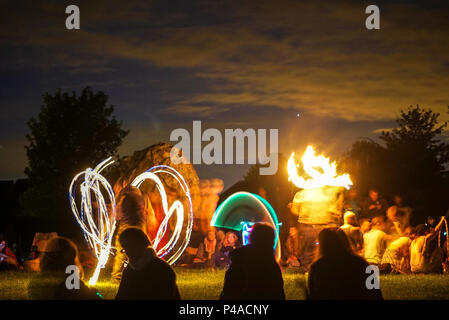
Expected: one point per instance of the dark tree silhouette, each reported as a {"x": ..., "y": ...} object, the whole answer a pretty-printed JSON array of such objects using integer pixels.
[
  {"x": 411, "y": 160},
  {"x": 69, "y": 134},
  {"x": 365, "y": 162},
  {"x": 417, "y": 156}
]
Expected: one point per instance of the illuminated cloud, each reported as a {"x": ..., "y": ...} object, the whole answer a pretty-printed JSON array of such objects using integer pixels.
[
  {"x": 380, "y": 130},
  {"x": 165, "y": 64}
]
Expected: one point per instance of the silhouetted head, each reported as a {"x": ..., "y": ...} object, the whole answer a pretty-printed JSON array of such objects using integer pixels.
[
  {"x": 220, "y": 235},
  {"x": 231, "y": 238},
  {"x": 421, "y": 230},
  {"x": 262, "y": 235},
  {"x": 378, "y": 223},
  {"x": 293, "y": 231},
  {"x": 130, "y": 205},
  {"x": 392, "y": 213},
  {"x": 373, "y": 194},
  {"x": 398, "y": 200},
  {"x": 350, "y": 218},
  {"x": 431, "y": 221},
  {"x": 134, "y": 242},
  {"x": 365, "y": 225},
  {"x": 59, "y": 253},
  {"x": 409, "y": 232},
  {"x": 211, "y": 235},
  {"x": 332, "y": 243}
]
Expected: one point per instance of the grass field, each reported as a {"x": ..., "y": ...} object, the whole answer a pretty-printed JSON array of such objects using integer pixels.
[{"x": 205, "y": 285}]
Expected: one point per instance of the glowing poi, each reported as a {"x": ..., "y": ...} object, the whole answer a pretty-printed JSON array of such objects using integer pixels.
[
  {"x": 241, "y": 210},
  {"x": 176, "y": 206},
  {"x": 99, "y": 232}
]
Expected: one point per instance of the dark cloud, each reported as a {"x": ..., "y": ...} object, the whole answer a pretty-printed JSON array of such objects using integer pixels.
[{"x": 228, "y": 63}]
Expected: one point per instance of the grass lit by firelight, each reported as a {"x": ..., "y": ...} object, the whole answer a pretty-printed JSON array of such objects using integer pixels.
[{"x": 205, "y": 285}]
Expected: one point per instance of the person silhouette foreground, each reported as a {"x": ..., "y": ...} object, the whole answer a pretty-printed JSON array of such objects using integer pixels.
[
  {"x": 146, "y": 277},
  {"x": 339, "y": 274},
  {"x": 254, "y": 273},
  {"x": 53, "y": 282}
]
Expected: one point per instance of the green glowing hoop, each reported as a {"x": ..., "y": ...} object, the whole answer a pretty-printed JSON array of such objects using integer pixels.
[{"x": 244, "y": 207}]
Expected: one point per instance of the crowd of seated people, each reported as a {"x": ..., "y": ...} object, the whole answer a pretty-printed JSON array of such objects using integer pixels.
[
  {"x": 210, "y": 251},
  {"x": 338, "y": 271},
  {"x": 382, "y": 235}
]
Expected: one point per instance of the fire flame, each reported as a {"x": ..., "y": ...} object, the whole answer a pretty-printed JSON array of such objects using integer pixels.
[{"x": 322, "y": 172}]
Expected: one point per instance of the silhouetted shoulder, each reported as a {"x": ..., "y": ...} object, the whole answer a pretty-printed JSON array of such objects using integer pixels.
[
  {"x": 163, "y": 266},
  {"x": 359, "y": 261},
  {"x": 240, "y": 253}
]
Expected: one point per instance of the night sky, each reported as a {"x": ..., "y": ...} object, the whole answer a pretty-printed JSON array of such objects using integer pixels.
[{"x": 309, "y": 68}]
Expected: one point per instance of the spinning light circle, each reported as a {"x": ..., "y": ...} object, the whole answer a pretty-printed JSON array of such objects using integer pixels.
[
  {"x": 175, "y": 207},
  {"x": 98, "y": 224},
  {"x": 241, "y": 210}
]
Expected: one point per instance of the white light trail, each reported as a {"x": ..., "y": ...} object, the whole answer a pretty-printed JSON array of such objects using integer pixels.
[{"x": 99, "y": 232}]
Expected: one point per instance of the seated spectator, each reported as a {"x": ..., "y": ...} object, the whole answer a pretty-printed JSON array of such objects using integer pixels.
[
  {"x": 8, "y": 260},
  {"x": 38, "y": 247},
  {"x": 59, "y": 254},
  {"x": 404, "y": 212},
  {"x": 425, "y": 255},
  {"x": 146, "y": 277},
  {"x": 393, "y": 225},
  {"x": 365, "y": 225},
  {"x": 254, "y": 273},
  {"x": 398, "y": 200},
  {"x": 396, "y": 258},
  {"x": 338, "y": 273},
  {"x": 375, "y": 241},
  {"x": 206, "y": 250},
  {"x": 222, "y": 258},
  {"x": 373, "y": 205},
  {"x": 292, "y": 247},
  {"x": 352, "y": 231},
  {"x": 431, "y": 222}
]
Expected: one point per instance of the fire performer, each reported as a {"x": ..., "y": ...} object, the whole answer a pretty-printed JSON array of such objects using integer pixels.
[{"x": 320, "y": 202}]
